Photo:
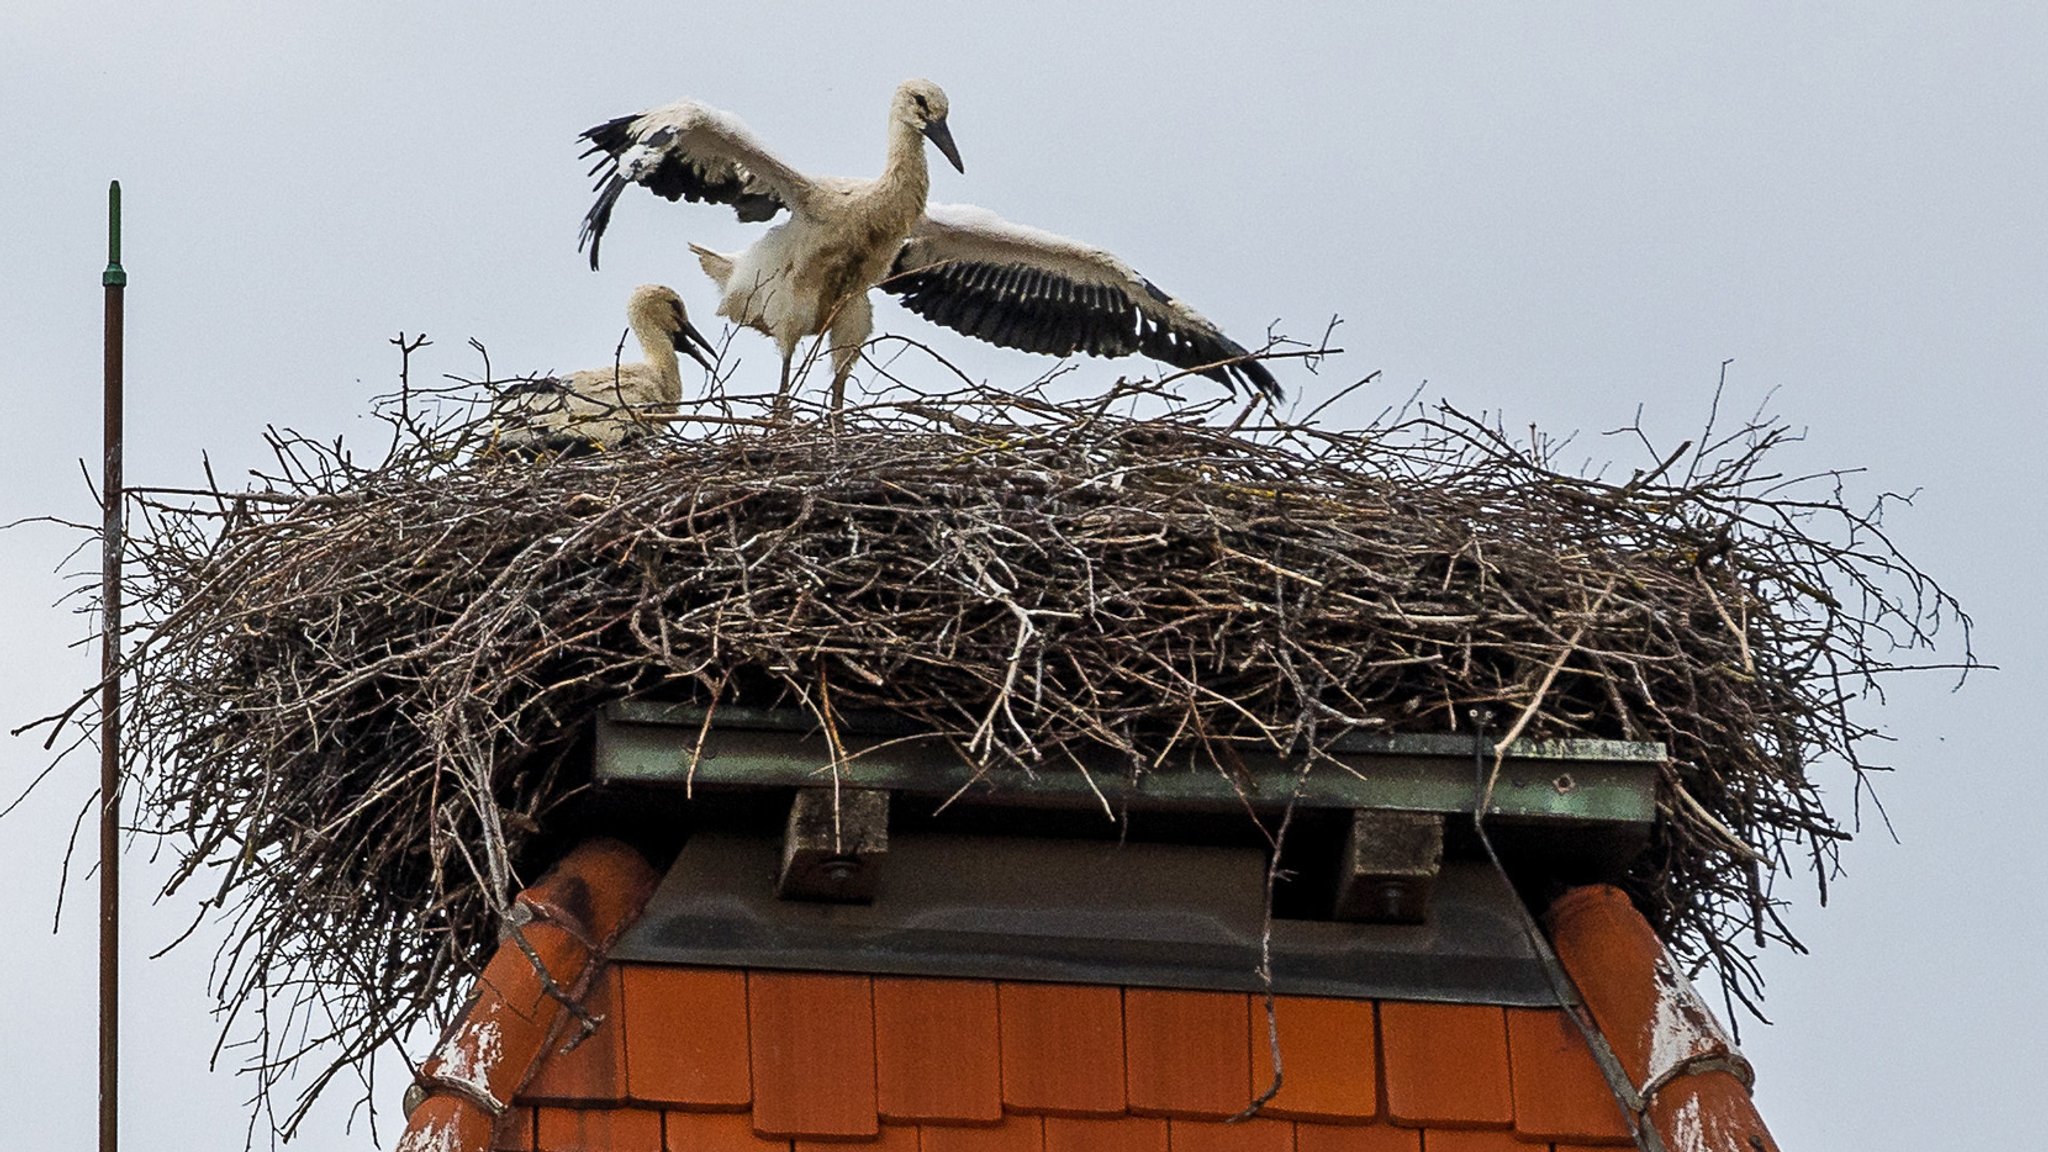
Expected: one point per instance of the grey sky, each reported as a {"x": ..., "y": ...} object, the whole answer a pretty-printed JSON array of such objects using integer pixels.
[{"x": 1557, "y": 212}]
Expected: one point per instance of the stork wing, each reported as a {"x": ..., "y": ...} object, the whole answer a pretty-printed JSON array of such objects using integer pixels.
[
  {"x": 687, "y": 151},
  {"x": 977, "y": 273},
  {"x": 549, "y": 416}
]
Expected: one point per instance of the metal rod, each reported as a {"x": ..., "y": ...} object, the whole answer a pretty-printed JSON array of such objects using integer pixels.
[{"x": 116, "y": 281}]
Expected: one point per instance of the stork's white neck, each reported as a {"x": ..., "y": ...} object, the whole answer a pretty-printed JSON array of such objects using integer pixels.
[
  {"x": 905, "y": 174},
  {"x": 658, "y": 348}
]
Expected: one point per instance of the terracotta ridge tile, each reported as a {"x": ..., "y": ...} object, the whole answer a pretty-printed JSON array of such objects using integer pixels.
[
  {"x": 579, "y": 1067},
  {"x": 516, "y": 1131},
  {"x": 448, "y": 1122},
  {"x": 1662, "y": 1033},
  {"x": 494, "y": 1044}
]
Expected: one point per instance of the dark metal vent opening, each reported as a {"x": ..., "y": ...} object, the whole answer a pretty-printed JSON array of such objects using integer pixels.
[{"x": 1022, "y": 908}]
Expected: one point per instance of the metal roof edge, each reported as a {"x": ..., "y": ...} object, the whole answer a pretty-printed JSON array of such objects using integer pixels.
[{"x": 1595, "y": 782}]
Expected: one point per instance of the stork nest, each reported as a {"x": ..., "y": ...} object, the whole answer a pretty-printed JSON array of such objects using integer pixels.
[{"x": 355, "y": 686}]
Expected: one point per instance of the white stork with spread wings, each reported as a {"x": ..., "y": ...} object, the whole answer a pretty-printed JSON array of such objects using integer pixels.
[{"x": 958, "y": 266}]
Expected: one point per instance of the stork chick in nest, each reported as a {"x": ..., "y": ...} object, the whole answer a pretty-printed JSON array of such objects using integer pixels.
[
  {"x": 962, "y": 267},
  {"x": 599, "y": 409}
]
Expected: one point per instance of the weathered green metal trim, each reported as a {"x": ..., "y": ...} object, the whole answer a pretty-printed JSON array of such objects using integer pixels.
[
  {"x": 1585, "y": 781},
  {"x": 115, "y": 276}
]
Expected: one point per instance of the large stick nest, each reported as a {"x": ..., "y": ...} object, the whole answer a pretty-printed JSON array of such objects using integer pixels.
[{"x": 354, "y": 684}]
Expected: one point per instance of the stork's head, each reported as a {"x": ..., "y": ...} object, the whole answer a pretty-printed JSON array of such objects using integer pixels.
[
  {"x": 657, "y": 306},
  {"x": 922, "y": 105}
]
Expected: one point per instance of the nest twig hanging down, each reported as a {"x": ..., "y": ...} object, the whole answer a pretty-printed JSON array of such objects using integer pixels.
[{"x": 353, "y": 683}]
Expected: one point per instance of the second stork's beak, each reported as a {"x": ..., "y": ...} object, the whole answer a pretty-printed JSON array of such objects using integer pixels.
[
  {"x": 690, "y": 340},
  {"x": 942, "y": 136}
]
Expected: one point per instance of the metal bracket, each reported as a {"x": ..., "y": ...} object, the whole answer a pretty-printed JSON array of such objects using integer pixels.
[
  {"x": 1389, "y": 867},
  {"x": 833, "y": 848}
]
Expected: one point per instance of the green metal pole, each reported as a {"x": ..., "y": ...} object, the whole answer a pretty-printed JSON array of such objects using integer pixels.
[{"x": 115, "y": 280}]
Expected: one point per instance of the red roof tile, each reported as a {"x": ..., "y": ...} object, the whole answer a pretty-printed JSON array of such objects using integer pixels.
[
  {"x": 515, "y": 1131},
  {"x": 1183, "y": 1052},
  {"x": 1254, "y": 1135},
  {"x": 813, "y": 1041},
  {"x": 1123, "y": 1134},
  {"x": 586, "y": 1068},
  {"x": 1063, "y": 1048},
  {"x": 1471, "y": 1140},
  {"x": 703, "y": 1060},
  {"x": 888, "y": 1138},
  {"x": 1020, "y": 1134},
  {"x": 1446, "y": 1064},
  {"x": 1355, "y": 1138},
  {"x": 936, "y": 1050},
  {"x": 599, "y": 1130},
  {"x": 1559, "y": 1092},
  {"x": 717, "y": 1132},
  {"x": 708, "y": 1006},
  {"x": 1328, "y": 1058}
]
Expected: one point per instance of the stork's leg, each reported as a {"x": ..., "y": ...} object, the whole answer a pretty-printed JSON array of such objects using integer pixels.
[
  {"x": 782, "y": 389},
  {"x": 849, "y": 332}
]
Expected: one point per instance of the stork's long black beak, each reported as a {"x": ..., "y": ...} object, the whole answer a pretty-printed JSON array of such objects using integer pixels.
[
  {"x": 693, "y": 340},
  {"x": 939, "y": 134}
]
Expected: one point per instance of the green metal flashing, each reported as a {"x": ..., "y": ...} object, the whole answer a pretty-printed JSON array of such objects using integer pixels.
[
  {"x": 1587, "y": 782},
  {"x": 115, "y": 276}
]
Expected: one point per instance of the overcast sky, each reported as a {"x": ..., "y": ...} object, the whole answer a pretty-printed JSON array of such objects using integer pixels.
[{"x": 1557, "y": 212}]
